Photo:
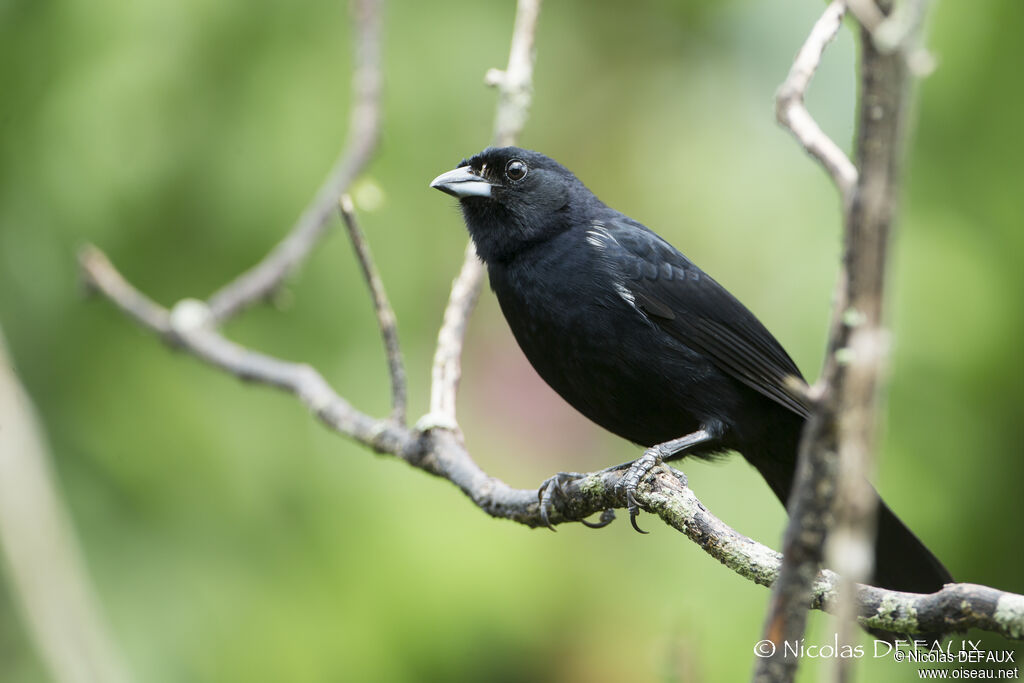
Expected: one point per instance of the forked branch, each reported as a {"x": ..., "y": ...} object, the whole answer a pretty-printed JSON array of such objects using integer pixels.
[
  {"x": 837, "y": 448},
  {"x": 263, "y": 279}
]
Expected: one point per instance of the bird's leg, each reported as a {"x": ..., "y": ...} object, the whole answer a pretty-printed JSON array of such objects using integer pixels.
[
  {"x": 651, "y": 458},
  {"x": 635, "y": 471},
  {"x": 546, "y": 492}
]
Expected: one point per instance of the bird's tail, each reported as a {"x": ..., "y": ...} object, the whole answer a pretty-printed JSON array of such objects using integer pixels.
[{"x": 902, "y": 562}]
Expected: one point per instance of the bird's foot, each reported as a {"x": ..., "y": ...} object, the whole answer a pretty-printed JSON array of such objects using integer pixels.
[
  {"x": 556, "y": 484},
  {"x": 638, "y": 469},
  {"x": 606, "y": 518},
  {"x": 652, "y": 457}
]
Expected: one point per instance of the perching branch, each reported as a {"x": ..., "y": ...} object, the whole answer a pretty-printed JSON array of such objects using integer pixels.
[
  {"x": 192, "y": 327},
  {"x": 663, "y": 493}
]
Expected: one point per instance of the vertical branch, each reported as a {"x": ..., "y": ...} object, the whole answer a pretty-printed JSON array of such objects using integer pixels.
[
  {"x": 47, "y": 576},
  {"x": 810, "y": 503},
  {"x": 447, "y": 369},
  {"x": 385, "y": 315},
  {"x": 515, "y": 91},
  {"x": 515, "y": 83},
  {"x": 840, "y": 438},
  {"x": 863, "y": 342}
]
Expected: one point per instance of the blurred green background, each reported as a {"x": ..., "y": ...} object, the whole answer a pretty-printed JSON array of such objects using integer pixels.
[{"x": 232, "y": 538}]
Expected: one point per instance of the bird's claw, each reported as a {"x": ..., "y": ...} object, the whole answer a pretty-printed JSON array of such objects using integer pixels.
[
  {"x": 546, "y": 494},
  {"x": 634, "y": 511},
  {"x": 607, "y": 517},
  {"x": 631, "y": 479}
]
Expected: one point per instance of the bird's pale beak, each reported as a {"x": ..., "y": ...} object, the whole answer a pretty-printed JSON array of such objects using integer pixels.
[{"x": 462, "y": 182}]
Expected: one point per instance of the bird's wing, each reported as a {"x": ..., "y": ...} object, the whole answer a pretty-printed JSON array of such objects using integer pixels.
[{"x": 686, "y": 303}]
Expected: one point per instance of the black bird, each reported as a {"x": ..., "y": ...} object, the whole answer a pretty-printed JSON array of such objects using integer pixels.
[{"x": 639, "y": 339}]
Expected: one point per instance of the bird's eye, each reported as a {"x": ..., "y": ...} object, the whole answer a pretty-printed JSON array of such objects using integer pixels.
[{"x": 515, "y": 169}]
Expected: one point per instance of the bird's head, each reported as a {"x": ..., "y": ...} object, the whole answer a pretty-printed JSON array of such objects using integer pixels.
[{"x": 512, "y": 198}]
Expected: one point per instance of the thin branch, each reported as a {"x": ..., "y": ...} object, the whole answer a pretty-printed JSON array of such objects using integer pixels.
[
  {"x": 792, "y": 112},
  {"x": 447, "y": 368},
  {"x": 100, "y": 275},
  {"x": 956, "y": 607},
  {"x": 811, "y": 501},
  {"x": 840, "y": 438},
  {"x": 385, "y": 315},
  {"x": 515, "y": 91},
  {"x": 809, "y": 508},
  {"x": 190, "y": 327},
  {"x": 263, "y": 279},
  {"x": 515, "y": 83},
  {"x": 861, "y": 340}
]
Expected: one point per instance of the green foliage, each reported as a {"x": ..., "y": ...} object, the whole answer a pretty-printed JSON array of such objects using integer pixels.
[{"x": 233, "y": 539}]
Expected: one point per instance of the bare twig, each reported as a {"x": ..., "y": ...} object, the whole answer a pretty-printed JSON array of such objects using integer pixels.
[
  {"x": 515, "y": 90},
  {"x": 792, "y": 112},
  {"x": 190, "y": 327},
  {"x": 515, "y": 84},
  {"x": 861, "y": 339},
  {"x": 385, "y": 315},
  {"x": 837, "y": 446},
  {"x": 265, "y": 277},
  {"x": 810, "y": 505},
  {"x": 447, "y": 368},
  {"x": 102, "y": 276}
]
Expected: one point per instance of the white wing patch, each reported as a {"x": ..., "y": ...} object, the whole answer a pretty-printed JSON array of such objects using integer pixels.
[
  {"x": 626, "y": 295},
  {"x": 599, "y": 236}
]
